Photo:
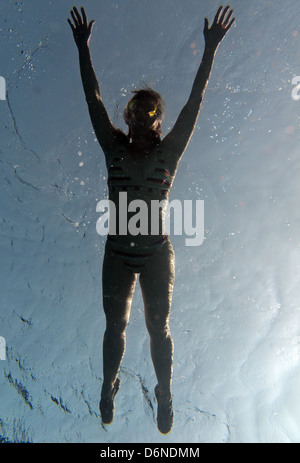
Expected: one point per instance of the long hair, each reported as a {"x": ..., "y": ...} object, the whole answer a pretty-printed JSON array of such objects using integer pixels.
[{"x": 141, "y": 94}]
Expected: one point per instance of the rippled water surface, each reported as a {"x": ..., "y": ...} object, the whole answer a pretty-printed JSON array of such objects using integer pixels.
[{"x": 235, "y": 315}]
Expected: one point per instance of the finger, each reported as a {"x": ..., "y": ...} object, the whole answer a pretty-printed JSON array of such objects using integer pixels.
[
  {"x": 228, "y": 18},
  {"x": 230, "y": 24},
  {"x": 74, "y": 19},
  {"x": 84, "y": 16},
  {"x": 72, "y": 27},
  {"x": 206, "y": 24},
  {"x": 77, "y": 15},
  {"x": 223, "y": 14},
  {"x": 218, "y": 14},
  {"x": 91, "y": 26}
]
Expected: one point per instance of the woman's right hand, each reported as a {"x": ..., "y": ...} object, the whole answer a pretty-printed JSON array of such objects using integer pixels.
[{"x": 81, "y": 29}]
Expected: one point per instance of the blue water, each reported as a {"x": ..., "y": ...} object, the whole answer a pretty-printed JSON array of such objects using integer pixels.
[{"x": 235, "y": 316}]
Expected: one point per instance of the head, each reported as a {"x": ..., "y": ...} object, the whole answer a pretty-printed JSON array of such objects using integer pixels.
[{"x": 145, "y": 112}]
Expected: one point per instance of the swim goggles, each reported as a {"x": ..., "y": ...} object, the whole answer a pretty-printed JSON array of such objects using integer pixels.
[{"x": 132, "y": 104}]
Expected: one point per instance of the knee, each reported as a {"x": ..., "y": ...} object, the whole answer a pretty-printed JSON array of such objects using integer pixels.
[
  {"x": 116, "y": 327},
  {"x": 158, "y": 328}
]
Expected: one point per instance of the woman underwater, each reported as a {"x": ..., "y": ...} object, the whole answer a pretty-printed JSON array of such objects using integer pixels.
[{"x": 144, "y": 166}]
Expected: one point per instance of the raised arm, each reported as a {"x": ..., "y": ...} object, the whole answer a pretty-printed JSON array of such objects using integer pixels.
[
  {"x": 103, "y": 127},
  {"x": 177, "y": 140}
]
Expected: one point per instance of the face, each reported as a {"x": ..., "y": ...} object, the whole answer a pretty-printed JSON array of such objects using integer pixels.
[{"x": 142, "y": 113}]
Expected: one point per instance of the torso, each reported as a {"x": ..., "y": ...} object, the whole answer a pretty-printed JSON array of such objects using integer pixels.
[{"x": 142, "y": 176}]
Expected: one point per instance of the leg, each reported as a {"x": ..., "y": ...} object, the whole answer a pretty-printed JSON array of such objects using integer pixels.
[
  {"x": 157, "y": 280},
  {"x": 118, "y": 287}
]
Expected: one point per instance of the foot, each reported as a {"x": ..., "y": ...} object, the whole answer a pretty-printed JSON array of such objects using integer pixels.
[
  {"x": 106, "y": 405},
  {"x": 164, "y": 411}
]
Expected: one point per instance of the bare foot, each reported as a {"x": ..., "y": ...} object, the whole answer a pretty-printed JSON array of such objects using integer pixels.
[
  {"x": 107, "y": 404},
  {"x": 164, "y": 411}
]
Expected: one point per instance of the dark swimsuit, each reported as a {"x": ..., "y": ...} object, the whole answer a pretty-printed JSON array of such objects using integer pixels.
[
  {"x": 137, "y": 259},
  {"x": 149, "y": 179}
]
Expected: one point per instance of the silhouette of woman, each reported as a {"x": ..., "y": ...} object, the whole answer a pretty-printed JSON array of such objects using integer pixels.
[{"x": 143, "y": 166}]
